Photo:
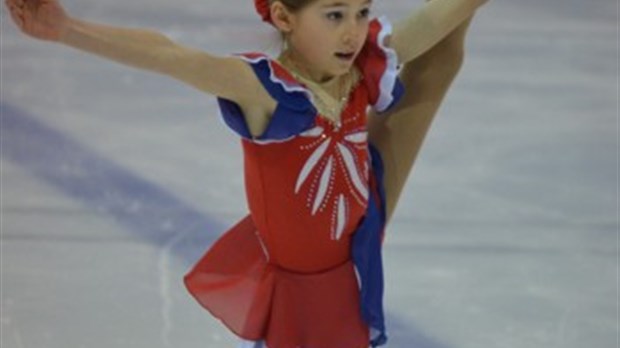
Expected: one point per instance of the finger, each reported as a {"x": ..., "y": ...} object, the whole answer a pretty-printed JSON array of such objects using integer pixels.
[
  {"x": 31, "y": 5},
  {"x": 13, "y": 8},
  {"x": 10, "y": 3},
  {"x": 16, "y": 16},
  {"x": 16, "y": 11},
  {"x": 27, "y": 10}
]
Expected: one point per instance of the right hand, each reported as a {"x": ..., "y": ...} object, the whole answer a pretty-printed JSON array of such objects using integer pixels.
[{"x": 41, "y": 19}]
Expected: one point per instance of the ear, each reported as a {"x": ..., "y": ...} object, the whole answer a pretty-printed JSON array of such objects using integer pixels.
[{"x": 281, "y": 17}]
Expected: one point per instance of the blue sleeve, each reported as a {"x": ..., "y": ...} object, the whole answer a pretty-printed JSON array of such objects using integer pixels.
[{"x": 294, "y": 112}]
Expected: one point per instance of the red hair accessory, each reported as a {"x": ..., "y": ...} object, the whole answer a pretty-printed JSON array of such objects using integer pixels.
[{"x": 262, "y": 7}]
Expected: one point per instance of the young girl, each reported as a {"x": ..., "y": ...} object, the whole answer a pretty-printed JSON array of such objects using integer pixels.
[{"x": 322, "y": 175}]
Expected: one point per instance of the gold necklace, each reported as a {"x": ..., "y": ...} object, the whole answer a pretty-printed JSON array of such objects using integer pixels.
[{"x": 327, "y": 105}]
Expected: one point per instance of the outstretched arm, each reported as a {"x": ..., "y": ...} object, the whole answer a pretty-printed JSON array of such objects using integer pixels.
[
  {"x": 427, "y": 26},
  {"x": 139, "y": 48}
]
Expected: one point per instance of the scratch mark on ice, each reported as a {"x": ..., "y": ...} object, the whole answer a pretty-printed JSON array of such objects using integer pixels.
[{"x": 165, "y": 279}]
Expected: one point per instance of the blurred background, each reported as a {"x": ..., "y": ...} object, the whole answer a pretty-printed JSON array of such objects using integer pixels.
[{"x": 114, "y": 181}]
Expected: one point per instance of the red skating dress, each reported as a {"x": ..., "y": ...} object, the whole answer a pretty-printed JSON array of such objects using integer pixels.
[{"x": 285, "y": 273}]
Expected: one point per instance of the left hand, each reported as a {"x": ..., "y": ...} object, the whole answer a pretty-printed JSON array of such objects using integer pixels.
[{"x": 41, "y": 19}]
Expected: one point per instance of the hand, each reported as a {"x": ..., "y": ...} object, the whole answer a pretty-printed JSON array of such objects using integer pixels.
[{"x": 41, "y": 19}]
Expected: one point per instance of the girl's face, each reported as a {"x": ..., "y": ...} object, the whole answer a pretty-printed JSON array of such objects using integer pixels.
[{"x": 327, "y": 35}]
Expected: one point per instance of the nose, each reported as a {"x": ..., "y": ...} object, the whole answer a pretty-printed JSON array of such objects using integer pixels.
[{"x": 351, "y": 34}]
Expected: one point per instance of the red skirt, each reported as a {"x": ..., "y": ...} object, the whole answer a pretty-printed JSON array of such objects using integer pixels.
[{"x": 260, "y": 301}]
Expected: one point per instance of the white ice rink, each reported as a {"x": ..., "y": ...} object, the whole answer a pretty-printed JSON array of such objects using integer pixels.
[{"x": 115, "y": 181}]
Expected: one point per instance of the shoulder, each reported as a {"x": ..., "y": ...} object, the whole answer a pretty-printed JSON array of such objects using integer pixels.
[
  {"x": 279, "y": 108},
  {"x": 255, "y": 102}
]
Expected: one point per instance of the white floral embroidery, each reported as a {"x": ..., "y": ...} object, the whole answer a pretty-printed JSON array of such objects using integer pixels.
[
  {"x": 348, "y": 163},
  {"x": 342, "y": 215},
  {"x": 354, "y": 174},
  {"x": 310, "y": 164}
]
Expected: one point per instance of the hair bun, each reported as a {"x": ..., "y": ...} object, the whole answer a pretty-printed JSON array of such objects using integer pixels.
[{"x": 262, "y": 7}]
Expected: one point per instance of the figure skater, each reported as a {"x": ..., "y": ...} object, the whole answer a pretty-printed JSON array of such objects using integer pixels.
[{"x": 330, "y": 130}]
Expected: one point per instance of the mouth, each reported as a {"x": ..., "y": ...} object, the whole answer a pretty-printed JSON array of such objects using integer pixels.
[{"x": 345, "y": 56}]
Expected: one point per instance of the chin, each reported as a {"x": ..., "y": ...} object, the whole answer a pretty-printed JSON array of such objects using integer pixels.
[{"x": 344, "y": 70}]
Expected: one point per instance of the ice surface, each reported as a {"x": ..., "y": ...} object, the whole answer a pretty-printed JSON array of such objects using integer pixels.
[{"x": 114, "y": 181}]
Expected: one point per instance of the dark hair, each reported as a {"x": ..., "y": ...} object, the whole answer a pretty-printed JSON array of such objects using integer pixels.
[{"x": 294, "y": 5}]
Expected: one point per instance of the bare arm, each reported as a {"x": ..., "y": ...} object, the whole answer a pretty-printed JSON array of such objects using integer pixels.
[
  {"x": 427, "y": 26},
  {"x": 150, "y": 50},
  {"x": 139, "y": 48}
]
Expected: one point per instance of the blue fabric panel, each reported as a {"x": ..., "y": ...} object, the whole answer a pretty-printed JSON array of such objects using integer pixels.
[
  {"x": 366, "y": 252},
  {"x": 294, "y": 112},
  {"x": 233, "y": 117},
  {"x": 397, "y": 93}
]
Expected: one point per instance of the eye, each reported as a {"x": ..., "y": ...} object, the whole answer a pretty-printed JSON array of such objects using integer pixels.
[
  {"x": 334, "y": 15},
  {"x": 365, "y": 13}
]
